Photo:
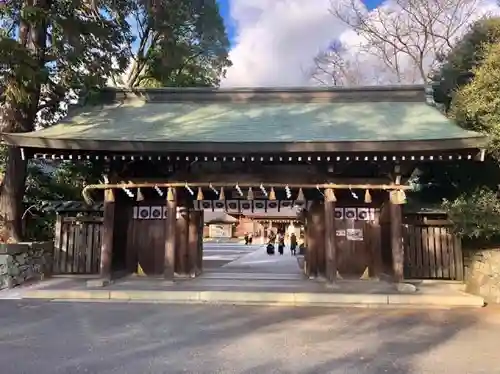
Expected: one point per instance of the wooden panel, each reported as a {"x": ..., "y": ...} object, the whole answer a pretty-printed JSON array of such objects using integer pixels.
[
  {"x": 449, "y": 242},
  {"x": 439, "y": 258},
  {"x": 77, "y": 245},
  {"x": 445, "y": 253},
  {"x": 353, "y": 256},
  {"x": 432, "y": 252},
  {"x": 426, "y": 264},
  {"x": 376, "y": 247},
  {"x": 146, "y": 246},
  {"x": 419, "y": 262},
  {"x": 458, "y": 258}
]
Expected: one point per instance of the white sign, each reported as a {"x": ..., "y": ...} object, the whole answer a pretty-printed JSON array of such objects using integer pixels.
[
  {"x": 340, "y": 233},
  {"x": 220, "y": 231},
  {"x": 354, "y": 234}
]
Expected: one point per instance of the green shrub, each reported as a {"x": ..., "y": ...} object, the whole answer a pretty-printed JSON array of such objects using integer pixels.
[{"x": 475, "y": 215}]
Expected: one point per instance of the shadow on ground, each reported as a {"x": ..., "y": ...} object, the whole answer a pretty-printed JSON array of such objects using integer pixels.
[{"x": 105, "y": 338}]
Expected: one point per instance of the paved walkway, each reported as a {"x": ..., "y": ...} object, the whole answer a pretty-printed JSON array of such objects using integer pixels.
[
  {"x": 216, "y": 255},
  {"x": 259, "y": 261}
]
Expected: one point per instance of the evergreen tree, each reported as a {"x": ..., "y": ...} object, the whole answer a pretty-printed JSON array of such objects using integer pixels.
[{"x": 50, "y": 51}]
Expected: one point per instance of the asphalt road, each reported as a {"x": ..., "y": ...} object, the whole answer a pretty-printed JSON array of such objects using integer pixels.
[{"x": 52, "y": 337}]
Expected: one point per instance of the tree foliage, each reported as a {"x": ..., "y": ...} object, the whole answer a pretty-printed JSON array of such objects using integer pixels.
[
  {"x": 181, "y": 43},
  {"x": 52, "y": 181},
  {"x": 51, "y": 50},
  {"x": 449, "y": 180},
  {"x": 476, "y": 105},
  {"x": 468, "y": 86},
  {"x": 54, "y": 51},
  {"x": 475, "y": 215},
  {"x": 458, "y": 65}
]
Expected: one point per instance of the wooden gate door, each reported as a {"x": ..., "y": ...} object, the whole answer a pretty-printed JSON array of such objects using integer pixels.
[
  {"x": 358, "y": 245},
  {"x": 77, "y": 245},
  {"x": 146, "y": 246}
]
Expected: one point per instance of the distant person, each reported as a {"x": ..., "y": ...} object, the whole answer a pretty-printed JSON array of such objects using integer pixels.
[
  {"x": 281, "y": 243},
  {"x": 272, "y": 237},
  {"x": 247, "y": 238},
  {"x": 270, "y": 247},
  {"x": 250, "y": 238},
  {"x": 302, "y": 245},
  {"x": 293, "y": 244}
]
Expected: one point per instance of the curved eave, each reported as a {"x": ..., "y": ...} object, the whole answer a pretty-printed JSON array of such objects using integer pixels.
[{"x": 138, "y": 146}]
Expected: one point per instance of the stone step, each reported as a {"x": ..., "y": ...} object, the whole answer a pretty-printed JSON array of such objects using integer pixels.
[
  {"x": 264, "y": 298},
  {"x": 246, "y": 283},
  {"x": 251, "y": 276}
]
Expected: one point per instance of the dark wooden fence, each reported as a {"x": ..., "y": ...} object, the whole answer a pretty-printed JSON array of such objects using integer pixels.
[
  {"x": 432, "y": 251},
  {"x": 77, "y": 245}
]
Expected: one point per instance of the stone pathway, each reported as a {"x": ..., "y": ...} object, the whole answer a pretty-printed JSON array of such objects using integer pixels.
[{"x": 260, "y": 262}]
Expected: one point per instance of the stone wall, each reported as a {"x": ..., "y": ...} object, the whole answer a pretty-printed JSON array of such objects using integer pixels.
[
  {"x": 22, "y": 262},
  {"x": 482, "y": 273}
]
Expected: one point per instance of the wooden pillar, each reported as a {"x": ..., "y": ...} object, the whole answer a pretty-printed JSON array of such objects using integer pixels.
[
  {"x": 330, "y": 237},
  {"x": 199, "y": 258},
  {"x": 170, "y": 236},
  {"x": 315, "y": 263},
  {"x": 193, "y": 242},
  {"x": 182, "y": 242},
  {"x": 397, "y": 240},
  {"x": 309, "y": 258},
  {"x": 318, "y": 218},
  {"x": 376, "y": 267},
  {"x": 108, "y": 226}
]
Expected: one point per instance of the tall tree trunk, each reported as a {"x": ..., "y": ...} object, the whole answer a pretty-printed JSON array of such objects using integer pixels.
[
  {"x": 11, "y": 194},
  {"x": 20, "y": 116}
]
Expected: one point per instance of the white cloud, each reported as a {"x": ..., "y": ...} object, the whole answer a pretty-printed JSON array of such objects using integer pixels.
[{"x": 278, "y": 39}]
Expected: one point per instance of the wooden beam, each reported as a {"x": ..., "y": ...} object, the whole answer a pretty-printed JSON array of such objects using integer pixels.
[
  {"x": 108, "y": 226},
  {"x": 339, "y": 186},
  {"x": 76, "y": 143},
  {"x": 330, "y": 237},
  {"x": 396, "y": 218},
  {"x": 125, "y": 185},
  {"x": 170, "y": 235}
]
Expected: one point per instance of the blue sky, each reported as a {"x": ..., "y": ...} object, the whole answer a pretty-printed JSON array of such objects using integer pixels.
[{"x": 225, "y": 12}]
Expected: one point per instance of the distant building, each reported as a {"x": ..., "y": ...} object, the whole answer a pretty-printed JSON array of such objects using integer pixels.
[{"x": 218, "y": 225}]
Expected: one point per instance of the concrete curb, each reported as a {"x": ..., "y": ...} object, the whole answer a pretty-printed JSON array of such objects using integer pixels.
[{"x": 265, "y": 298}]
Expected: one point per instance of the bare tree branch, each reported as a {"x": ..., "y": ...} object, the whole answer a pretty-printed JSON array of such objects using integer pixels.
[{"x": 401, "y": 39}]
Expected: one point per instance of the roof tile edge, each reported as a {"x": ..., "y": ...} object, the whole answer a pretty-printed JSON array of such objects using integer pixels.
[{"x": 402, "y": 93}]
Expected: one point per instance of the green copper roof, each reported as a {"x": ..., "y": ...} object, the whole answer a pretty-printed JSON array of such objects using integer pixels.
[{"x": 138, "y": 120}]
